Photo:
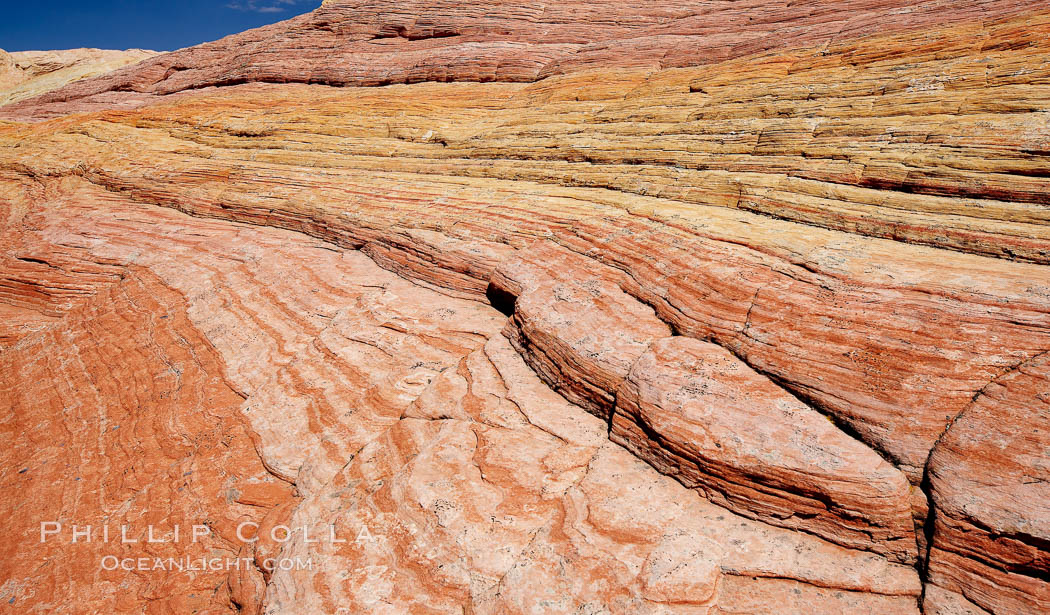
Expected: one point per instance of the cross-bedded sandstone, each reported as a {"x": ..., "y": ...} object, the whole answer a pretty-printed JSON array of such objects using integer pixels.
[
  {"x": 703, "y": 416},
  {"x": 26, "y": 74},
  {"x": 844, "y": 232}
]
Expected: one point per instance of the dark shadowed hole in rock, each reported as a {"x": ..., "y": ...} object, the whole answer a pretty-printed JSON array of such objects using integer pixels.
[{"x": 501, "y": 299}]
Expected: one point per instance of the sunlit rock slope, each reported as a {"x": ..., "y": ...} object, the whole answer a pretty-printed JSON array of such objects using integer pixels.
[{"x": 591, "y": 307}]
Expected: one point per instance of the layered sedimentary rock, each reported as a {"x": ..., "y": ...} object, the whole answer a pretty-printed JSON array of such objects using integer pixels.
[
  {"x": 25, "y": 74},
  {"x": 353, "y": 42},
  {"x": 714, "y": 308},
  {"x": 132, "y": 426},
  {"x": 990, "y": 481},
  {"x": 716, "y": 425},
  {"x": 323, "y": 358},
  {"x": 496, "y": 493},
  {"x": 697, "y": 412},
  {"x": 578, "y": 329}
]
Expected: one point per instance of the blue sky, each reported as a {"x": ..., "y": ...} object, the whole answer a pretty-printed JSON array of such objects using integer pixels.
[{"x": 122, "y": 24}]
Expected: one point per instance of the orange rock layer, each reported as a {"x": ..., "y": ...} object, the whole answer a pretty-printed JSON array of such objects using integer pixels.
[{"x": 618, "y": 332}]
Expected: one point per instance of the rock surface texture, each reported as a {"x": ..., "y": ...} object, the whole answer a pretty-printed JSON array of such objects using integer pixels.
[
  {"x": 490, "y": 307},
  {"x": 25, "y": 74}
]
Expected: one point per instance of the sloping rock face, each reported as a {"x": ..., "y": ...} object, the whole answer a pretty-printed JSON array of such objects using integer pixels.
[
  {"x": 356, "y": 42},
  {"x": 25, "y": 74},
  {"x": 752, "y": 447},
  {"x": 713, "y": 307},
  {"x": 988, "y": 478}
]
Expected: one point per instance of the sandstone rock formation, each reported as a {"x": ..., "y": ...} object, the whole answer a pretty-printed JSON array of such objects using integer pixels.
[
  {"x": 25, "y": 74},
  {"x": 989, "y": 484},
  {"x": 713, "y": 307},
  {"x": 715, "y": 424}
]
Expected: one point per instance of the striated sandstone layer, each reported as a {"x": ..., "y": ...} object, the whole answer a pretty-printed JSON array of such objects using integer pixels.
[
  {"x": 714, "y": 423},
  {"x": 462, "y": 458},
  {"x": 990, "y": 481},
  {"x": 356, "y": 42},
  {"x": 26, "y": 74},
  {"x": 713, "y": 307}
]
